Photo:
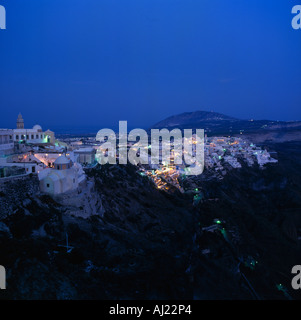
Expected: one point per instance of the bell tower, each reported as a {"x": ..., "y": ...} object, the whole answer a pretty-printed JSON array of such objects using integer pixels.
[{"x": 20, "y": 122}]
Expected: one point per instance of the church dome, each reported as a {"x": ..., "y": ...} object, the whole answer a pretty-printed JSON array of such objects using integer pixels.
[
  {"x": 62, "y": 163},
  {"x": 62, "y": 160},
  {"x": 37, "y": 127}
]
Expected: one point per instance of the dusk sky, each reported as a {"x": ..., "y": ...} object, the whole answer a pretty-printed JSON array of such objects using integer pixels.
[{"x": 95, "y": 62}]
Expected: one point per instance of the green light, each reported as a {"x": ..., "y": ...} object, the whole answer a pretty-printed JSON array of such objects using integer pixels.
[{"x": 196, "y": 189}]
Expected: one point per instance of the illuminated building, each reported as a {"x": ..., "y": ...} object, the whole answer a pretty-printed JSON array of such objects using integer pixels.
[
  {"x": 34, "y": 135},
  {"x": 64, "y": 177}
]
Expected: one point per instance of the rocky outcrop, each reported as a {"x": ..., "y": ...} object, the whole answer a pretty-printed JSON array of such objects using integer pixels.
[
  {"x": 84, "y": 202},
  {"x": 15, "y": 193}
]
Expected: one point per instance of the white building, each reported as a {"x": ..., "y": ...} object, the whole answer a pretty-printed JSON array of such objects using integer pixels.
[
  {"x": 65, "y": 177},
  {"x": 34, "y": 135},
  {"x": 85, "y": 156},
  {"x": 26, "y": 160},
  {"x": 6, "y": 141}
]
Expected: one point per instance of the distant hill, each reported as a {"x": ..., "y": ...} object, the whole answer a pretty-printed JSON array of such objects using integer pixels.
[
  {"x": 188, "y": 118},
  {"x": 219, "y": 124}
]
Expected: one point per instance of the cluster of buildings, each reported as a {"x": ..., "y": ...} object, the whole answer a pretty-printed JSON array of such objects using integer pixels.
[
  {"x": 58, "y": 165},
  {"x": 164, "y": 178},
  {"x": 233, "y": 150},
  {"x": 220, "y": 155}
]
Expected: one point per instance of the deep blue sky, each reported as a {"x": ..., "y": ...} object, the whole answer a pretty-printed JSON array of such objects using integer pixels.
[{"x": 95, "y": 62}]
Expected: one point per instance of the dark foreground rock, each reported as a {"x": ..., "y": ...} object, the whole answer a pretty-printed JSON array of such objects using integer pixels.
[{"x": 148, "y": 244}]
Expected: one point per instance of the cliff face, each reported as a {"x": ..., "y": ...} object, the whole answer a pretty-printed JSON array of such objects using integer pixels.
[
  {"x": 139, "y": 247},
  {"x": 84, "y": 202},
  {"x": 18, "y": 193},
  {"x": 144, "y": 243},
  {"x": 15, "y": 193}
]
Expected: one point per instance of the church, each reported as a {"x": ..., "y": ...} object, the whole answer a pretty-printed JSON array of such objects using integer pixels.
[
  {"x": 34, "y": 135},
  {"x": 64, "y": 177}
]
